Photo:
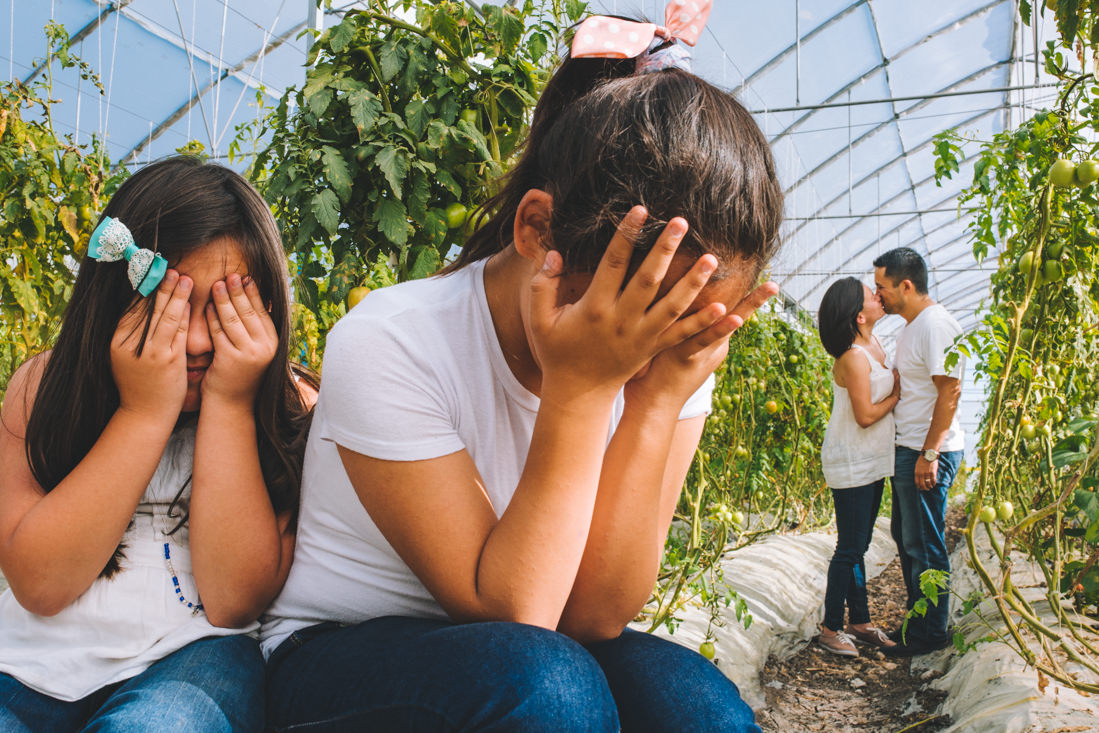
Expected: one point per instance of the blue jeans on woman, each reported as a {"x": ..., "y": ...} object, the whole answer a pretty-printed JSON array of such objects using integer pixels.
[
  {"x": 919, "y": 529},
  {"x": 212, "y": 685},
  {"x": 415, "y": 674},
  {"x": 856, "y": 510}
]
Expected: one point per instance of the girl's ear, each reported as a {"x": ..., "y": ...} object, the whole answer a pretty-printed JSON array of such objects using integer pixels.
[{"x": 532, "y": 225}]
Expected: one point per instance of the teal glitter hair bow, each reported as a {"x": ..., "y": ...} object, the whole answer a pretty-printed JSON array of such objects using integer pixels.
[{"x": 111, "y": 241}]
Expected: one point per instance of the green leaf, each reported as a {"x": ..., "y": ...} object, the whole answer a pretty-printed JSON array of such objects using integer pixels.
[
  {"x": 317, "y": 79},
  {"x": 417, "y": 115},
  {"x": 365, "y": 108},
  {"x": 390, "y": 60},
  {"x": 393, "y": 163},
  {"x": 318, "y": 103},
  {"x": 23, "y": 292},
  {"x": 537, "y": 45},
  {"x": 325, "y": 207},
  {"x": 427, "y": 262},
  {"x": 342, "y": 35},
  {"x": 448, "y": 182},
  {"x": 337, "y": 172},
  {"x": 392, "y": 220},
  {"x": 511, "y": 29},
  {"x": 435, "y": 227}
]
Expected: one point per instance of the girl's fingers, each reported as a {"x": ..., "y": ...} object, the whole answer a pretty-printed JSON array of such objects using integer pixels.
[
  {"x": 543, "y": 289},
  {"x": 677, "y": 300},
  {"x": 228, "y": 317},
  {"x": 643, "y": 286},
  {"x": 611, "y": 272},
  {"x": 172, "y": 318},
  {"x": 252, "y": 290},
  {"x": 179, "y": 343},
  {"x": 163, "y": 293},
  {"x": 246, "y": 309},
  {"x": 691, "y": 326},
  {"x": 751, "y": 302},
  {"x": 217, "y": 332}
]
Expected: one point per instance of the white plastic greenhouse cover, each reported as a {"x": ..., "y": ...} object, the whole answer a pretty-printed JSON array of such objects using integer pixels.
[{"x": 849, "y": 93}]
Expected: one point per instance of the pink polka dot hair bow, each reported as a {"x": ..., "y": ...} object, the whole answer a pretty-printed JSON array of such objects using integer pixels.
[{"x": 600, "y": 36}]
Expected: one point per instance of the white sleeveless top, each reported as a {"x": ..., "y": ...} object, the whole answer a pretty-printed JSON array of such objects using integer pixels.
[
  {"x": 853, "y": 455},
  {"x": 119, "y": 626}
]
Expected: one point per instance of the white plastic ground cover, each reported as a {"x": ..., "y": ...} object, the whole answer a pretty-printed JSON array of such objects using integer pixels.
[
  {"x": 782, "y": 579},
  {"x": 989, "y": 689}
]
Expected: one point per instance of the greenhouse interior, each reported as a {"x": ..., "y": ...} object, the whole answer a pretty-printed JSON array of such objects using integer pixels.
[{"x": 922, "y": 155}]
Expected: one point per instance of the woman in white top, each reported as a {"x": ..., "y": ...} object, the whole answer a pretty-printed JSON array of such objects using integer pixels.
[{"x": 857, "y": 455}]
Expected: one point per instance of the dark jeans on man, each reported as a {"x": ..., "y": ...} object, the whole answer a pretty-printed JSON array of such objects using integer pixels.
[
  {"x": 856, "y": 509},
  {"x": 918, "y": 527},
  {"x": 416, "y": 674}
]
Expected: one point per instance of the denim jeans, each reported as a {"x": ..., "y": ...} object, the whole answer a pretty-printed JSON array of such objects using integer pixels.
[
  {"x": 918, "y": 527},
  {"x": 213, "y": 685},
  {"x": 412, "y": 675},
  {"x": 856, "y": 509}
]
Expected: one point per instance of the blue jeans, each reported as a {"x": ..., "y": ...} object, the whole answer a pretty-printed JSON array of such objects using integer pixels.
[
  {"x": 918, "y": 527},
  {"x": 856, "y": 510},
  {"x": 213, "y": 685},
  {"x": 410, "y": 675}
]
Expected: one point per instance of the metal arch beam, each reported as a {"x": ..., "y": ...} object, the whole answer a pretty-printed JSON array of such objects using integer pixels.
[
  {"x": 884, "y": 63},
  {"x": 894, "y": 119},
  {"x": 866, "y": 178},
  {"x": 777, "y": 59},
  {"x": 906, "y": 191},
  {"x": 194, "y": 99},
  {"x": 864, "y": 249},
  {"x": 80, "y": 35},
  {"x": 205, "y": 56}
]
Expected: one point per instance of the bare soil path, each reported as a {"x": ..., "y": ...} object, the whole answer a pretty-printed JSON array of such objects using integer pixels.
[{"x": 815, "y": 690}]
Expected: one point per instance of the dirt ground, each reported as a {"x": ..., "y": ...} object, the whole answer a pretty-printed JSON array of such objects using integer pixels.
[{"x": 815, "y": 690}]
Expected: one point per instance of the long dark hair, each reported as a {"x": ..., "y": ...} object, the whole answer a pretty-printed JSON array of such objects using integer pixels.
[
  {"x": 604, "y": 139},
  {"x": 839, "y": 309},
  {"x": 174, "y": 206}
]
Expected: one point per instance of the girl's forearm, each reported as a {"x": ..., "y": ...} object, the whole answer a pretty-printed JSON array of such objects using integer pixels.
[
  {"x": 238, "y": 553},
  {"x": 629, "y": 525},
  {"x": 529, "y": 561},
  {"x": 65, "y": 539}
]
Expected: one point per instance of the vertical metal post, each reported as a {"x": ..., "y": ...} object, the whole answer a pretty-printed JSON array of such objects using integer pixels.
[
  {"x": 850, "y": 166},
  {"x": 1034, "y": 25},
  {"x": 797, "y": 51},
  {"x": 314, "y": 19}
]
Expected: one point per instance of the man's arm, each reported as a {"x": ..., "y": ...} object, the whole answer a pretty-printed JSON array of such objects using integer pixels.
[{"x": 946, "y": 404}]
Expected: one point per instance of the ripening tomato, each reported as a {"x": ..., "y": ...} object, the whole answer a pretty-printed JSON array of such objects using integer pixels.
[
  {"x": 987, "y": 514},
  {"x": 355, "y": 296}
]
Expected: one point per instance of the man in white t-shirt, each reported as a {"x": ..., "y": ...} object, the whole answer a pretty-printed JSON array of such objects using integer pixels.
[{"x": 930, "y": 442}]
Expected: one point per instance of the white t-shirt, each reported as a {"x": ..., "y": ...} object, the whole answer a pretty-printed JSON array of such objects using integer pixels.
[
  {"x": 921, "y": 355},
  {"x": 413, "y": 372}
]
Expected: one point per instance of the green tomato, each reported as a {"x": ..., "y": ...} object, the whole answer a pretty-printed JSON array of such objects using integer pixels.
[
  {"x": 987, "y": 514},
  {"x": 456, "y": 215},
  {"x": 1062, "y": 173},
  {"x": 1026, "y": 335},
  {"x": 793, "y": 358},
  {"x": 1087, "y": 172},
  {"x": 1026, "y": 262},
  {"x": 1052, "y": 271},
  {"x": 726, "y": 400},
  {"x": 738, "y": 518},
  {"x": 1004, "y": 510},
  {"x": 707, "y": 650},
  {"x": 470, "y": 115},
  {"x": 741, "y": 452},
  {"x": 1054, "y": 249},
  {"x": 1028, "y": 432}
]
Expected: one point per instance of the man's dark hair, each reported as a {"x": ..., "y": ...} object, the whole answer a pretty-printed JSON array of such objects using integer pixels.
[{"x": 904, "y": 263}]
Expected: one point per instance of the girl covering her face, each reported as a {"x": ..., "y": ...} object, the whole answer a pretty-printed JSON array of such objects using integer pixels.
[
  {"x": 152, "y": 461},
  {"x": 498, "y": 450}
]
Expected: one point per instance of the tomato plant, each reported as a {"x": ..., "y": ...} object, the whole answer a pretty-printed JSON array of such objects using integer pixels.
[
  {"x": 1037, "y": 346},
  {"x": 757, "y": 469},
  {"x": 408, "y": 108},
  {"x": 51, "y": 189}
]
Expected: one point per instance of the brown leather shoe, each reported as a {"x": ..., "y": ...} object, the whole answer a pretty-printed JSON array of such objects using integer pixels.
[
  {"x": 872, "y": 636},
  {"x": 839, "y": 643}
]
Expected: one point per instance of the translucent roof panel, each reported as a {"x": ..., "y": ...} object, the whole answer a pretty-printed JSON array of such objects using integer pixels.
[{"x": 850, "y": 92}]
